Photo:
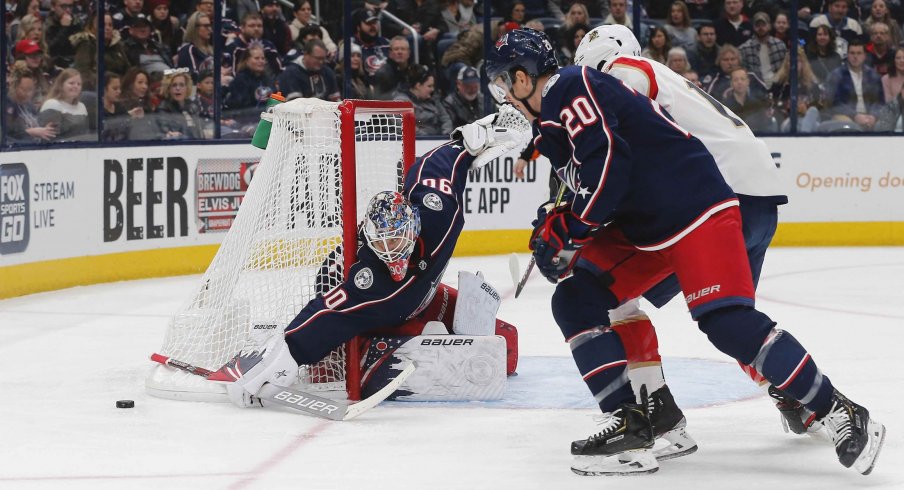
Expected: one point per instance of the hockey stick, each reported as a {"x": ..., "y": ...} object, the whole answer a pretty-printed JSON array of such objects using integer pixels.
[
  {"x": 533, "y": 261},
  {"x": 304, "y": 402}
]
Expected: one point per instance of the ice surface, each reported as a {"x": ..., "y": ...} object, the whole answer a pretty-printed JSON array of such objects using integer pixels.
[{"x": 69, "y": 355}]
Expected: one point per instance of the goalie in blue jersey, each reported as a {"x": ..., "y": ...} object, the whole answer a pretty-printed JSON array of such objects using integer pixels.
[
  {"x": 647, "y": 200},
  {"x": 406, "y": 241}
]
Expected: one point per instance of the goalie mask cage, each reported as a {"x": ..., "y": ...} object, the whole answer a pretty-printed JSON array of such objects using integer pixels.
[{"x": 294, "y": 235}]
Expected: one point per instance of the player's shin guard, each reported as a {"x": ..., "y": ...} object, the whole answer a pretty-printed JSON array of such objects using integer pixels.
[
  {"x": 580, "y": 306},
  {"x": 641, "y": 350},
  {"x": 789, "y": 367},
  {"x": 600, "y": 358}
]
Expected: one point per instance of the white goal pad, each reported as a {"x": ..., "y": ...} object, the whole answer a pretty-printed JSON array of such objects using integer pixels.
[
  {"x": 475, "y": 306},
  {"x": 449, "y": 368}
]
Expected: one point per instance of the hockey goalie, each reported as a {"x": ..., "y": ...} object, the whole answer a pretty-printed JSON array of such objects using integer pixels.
[{"x": 392, "y": 295}]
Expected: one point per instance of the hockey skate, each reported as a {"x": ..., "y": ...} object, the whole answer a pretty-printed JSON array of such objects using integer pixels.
[
  {"x": 795, "y": 418},
  {"x": 857, "y": 437},
  {"x": 669, "y": 428},
  {"x": 623, "y": 446}
]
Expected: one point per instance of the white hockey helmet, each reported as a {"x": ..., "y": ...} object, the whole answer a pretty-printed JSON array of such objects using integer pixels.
[{"x": 604, "y": 44}]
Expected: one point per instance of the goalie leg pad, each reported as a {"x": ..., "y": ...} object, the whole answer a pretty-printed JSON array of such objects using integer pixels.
[
  {"x": 476, "y": 306},
  {"x": 510, "y": 334},
  {"x": 449, "y": 367}
]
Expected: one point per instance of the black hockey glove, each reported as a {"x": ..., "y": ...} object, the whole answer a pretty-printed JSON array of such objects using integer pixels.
[{"x": 558, "y": 230}]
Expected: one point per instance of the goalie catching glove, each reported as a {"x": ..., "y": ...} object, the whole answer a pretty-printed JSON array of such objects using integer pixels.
[
  {"x": 490, "y": 137},
  {"x": 557, "y": 234}
]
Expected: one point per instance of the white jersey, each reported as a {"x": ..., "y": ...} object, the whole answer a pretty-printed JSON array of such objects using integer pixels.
[{"x": 745, "y": 162}]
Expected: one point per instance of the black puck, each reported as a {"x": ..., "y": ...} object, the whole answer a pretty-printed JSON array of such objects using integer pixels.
[{"x": 125, "y": 404}]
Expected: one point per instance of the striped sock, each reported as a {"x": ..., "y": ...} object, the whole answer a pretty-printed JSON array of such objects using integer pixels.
[
  {"x": 600, "y": 358},
  {"x": 790, "y": 368}
]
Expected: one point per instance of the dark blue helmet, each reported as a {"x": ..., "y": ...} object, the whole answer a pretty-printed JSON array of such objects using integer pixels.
[{"x": 523, "y": 48}]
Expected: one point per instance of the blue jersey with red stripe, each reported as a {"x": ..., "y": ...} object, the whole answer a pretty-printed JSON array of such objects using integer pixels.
[
  {"x": 624, "y": 159},
  {"x": 369, "y": 299}
]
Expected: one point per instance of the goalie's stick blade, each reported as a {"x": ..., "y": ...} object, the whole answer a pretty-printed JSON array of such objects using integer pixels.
[
  {"x": 319, "y": 406},
  {"x": 373, "y": 400},
  {"x": 304, "y": 402}
]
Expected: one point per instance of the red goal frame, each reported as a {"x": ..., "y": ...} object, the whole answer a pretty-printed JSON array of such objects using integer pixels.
[{"x": 347, "y": 111}]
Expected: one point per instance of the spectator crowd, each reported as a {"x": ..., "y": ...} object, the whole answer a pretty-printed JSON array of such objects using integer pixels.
[{"x": 158, "y": 55}]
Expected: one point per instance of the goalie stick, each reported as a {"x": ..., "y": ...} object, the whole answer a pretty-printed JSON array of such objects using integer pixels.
[
  {"x": 304, "y": 402},
  {"x": 513, "y": 260}
]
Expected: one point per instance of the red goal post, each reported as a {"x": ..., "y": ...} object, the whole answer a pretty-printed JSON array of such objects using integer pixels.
[{"x": 350, "y": 109}]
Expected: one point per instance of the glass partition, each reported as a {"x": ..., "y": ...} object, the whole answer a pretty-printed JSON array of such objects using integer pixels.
[{"x": 174, "y": 71}]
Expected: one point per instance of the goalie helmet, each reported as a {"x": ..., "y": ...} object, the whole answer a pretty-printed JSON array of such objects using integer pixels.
[
  {"x": 391, "y": 227},
  {"x": 604, "y": 44}
]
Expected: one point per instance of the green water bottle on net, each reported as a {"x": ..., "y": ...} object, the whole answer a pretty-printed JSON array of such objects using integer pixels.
[{"x": 262, "y": 133}]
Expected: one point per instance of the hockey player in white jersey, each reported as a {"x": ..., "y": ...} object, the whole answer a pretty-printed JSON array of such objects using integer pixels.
[{"x": 746, "y": 165}]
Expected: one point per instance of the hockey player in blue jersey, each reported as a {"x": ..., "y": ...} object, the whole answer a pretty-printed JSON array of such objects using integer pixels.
[
  {"x": 405, "y": 243},
  {"x": 647, "y": 200}
]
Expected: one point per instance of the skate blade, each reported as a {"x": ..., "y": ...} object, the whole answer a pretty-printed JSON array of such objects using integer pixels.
[
  {"x": 867, "y": 460},
  {"x": 680, "y": 443},
  {"x": 628, "y": 463}
]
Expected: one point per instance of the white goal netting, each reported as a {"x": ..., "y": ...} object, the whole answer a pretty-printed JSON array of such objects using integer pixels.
[{"x": 286, "y": 244}]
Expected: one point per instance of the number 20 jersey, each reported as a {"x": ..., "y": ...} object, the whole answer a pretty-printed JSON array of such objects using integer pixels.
[
  {"x": 745, "y": 162},
  {"x": 625, "y": 160}
]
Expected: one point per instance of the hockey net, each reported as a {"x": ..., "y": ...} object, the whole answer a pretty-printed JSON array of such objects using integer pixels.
[{"x": 294, "y": 235}]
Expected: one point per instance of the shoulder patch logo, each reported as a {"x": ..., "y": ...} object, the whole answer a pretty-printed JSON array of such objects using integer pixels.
[
  {"x": 364, "y": 278},
  {"x": 503, "y": 41},
  {"x": 549, "y": 83},
  {"x": 433, "y": 202},
  {"x": 422, "y": 265}
]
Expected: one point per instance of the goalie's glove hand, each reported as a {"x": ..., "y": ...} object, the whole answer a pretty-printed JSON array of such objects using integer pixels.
[
  {"x": 492, "y": 136},
  {"x": 557, "y": 231}
]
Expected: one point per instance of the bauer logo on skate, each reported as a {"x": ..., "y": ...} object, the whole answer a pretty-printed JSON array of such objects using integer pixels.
[{"x": 701, "y": 293}]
